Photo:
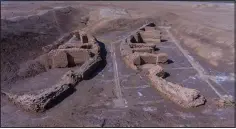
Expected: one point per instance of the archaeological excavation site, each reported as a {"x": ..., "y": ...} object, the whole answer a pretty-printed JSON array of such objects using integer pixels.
[{"x": 117, "y": 64}]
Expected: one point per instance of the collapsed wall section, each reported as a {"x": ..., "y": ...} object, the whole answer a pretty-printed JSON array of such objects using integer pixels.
[{"x": 185, "y": 97}]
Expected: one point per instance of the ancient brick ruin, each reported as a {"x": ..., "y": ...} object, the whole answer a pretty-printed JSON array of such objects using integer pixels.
[
  {"x": 139, "y": 53},
  {"x": 81, "y": 49},
  {"x": 74, "y": 49}
]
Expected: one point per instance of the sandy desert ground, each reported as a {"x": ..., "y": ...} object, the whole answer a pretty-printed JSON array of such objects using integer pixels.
[{"x": 200, "y": 43}]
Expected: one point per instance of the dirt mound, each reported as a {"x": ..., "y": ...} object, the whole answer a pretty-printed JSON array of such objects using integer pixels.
[{"x": 23, "y": 37}]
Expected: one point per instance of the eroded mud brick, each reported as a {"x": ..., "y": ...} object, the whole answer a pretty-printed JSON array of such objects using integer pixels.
[
  {"x": 148, "y": 59},
  {"x": 150, "y": 34},
  {"x": 131, "y": 58},
  {"x": 69, "y": 45},
  {"x": 137, "y": 60},
  {"x": 77, "y": 56},
  {"x": 152, "y": 40},
  {"x": 148, "y": 28},
  {"x": 157, "y": 70},
  {"x": 145, "y": 58},
  {"x": 46, "y": 61},
  {"x": 144, "y": 49},
  {"x": 184, "y": 97},
  {"x": 59, "y": 58},
  {"x": 140, "y": 45},
  {"x": 46, "y": 98},
  {"x": 89, "y": 66},
  {"x": 125, "y": 49},
  {"x": 162, "y": 57}
]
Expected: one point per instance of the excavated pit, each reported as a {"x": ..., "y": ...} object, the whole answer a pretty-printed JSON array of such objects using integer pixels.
[{"x": 139, "y": 53}]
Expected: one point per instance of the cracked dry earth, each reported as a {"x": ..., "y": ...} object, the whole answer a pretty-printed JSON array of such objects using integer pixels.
[{"x": 118, "y": 96}]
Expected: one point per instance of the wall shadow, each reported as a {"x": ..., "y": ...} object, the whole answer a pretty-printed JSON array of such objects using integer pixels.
[
  {"x": 165, "y": 75},
  {"x": 60, "y": 98},
  {"x": 169, "y": 61},
  {"x": 102, "y": 63},
  {"x": 164, "y": 40}
]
